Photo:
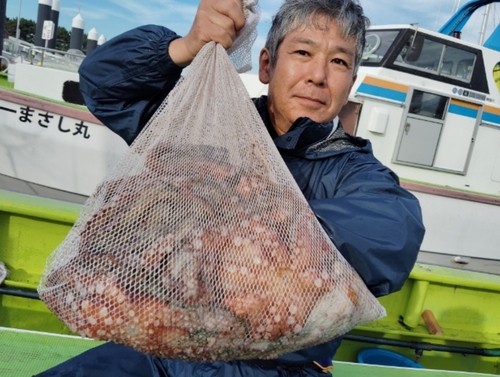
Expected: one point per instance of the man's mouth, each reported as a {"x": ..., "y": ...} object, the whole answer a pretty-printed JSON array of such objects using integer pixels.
[{"x": 311, "y": 100}]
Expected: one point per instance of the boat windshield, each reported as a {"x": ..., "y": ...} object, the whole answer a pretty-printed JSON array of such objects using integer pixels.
[{"x": 377, "y": 45}]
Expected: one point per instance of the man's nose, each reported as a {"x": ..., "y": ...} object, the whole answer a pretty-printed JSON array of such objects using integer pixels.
[{"x": 318, "y": 72}]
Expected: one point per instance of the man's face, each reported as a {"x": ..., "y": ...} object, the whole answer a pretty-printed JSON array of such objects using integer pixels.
[{"x": 312, "y": 76}]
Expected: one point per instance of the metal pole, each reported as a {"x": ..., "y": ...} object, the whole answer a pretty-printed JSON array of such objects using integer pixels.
[
  {"x": 455, "y": 7},
  {"x": 482, "y": 34},
  {"x": 18, "y": 30},
  {"x": 44, "y": 51}
]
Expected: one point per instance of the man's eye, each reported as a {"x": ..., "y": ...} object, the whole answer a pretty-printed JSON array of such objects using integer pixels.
[
  {"x": 339, "y": 61},
  {"x": 302, "y": 52}
]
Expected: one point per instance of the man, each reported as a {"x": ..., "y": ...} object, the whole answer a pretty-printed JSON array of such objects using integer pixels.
[{"x": 310, "y": 61}]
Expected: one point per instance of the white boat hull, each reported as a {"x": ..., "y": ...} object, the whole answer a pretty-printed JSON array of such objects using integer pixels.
[
  {"x": 53, "y": 145},
  {"x": 459, "y": 226}
]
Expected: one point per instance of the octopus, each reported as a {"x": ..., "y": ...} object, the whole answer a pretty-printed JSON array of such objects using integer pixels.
[
  {"x": 197, "y": 259},
  {"x": 100, "y": 307}
]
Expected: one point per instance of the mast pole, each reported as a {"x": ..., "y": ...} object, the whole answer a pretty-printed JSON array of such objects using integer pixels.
[
  {"x": 482, "y": 34},
  {"x": 455, "y": 7}
]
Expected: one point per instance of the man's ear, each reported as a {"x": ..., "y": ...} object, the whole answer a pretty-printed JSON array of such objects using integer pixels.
[{"x": 264, "y": 66}]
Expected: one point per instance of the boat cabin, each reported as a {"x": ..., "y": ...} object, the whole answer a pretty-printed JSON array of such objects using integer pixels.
[{"x": 430, "y": 104}]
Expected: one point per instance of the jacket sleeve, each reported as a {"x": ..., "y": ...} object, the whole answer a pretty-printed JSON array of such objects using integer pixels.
[
  {"x": 126, "y": 79},
  {"x": 374, "y": 222}
]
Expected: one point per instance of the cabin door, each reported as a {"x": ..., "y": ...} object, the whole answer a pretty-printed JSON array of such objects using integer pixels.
[
  {"x": 422, "y": 129},
  {"x": 438, "y": 132},
  {"x": 419, "y": 141},
  {"x": 457, "y": 139}
]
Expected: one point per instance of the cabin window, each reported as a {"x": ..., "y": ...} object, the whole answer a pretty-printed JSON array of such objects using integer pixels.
[
  {"x": 428, "y": 104},
  {"x": 430, "y": 56},
  {"x": 428, "y": 59},
  {"x": 437, "y": 58}
]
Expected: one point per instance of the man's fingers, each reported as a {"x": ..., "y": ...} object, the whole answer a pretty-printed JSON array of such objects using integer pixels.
[
  {"x": 233, "y": 9},
  {"x": 223, "y": 30},
  {"x": 216, "y": 20}
]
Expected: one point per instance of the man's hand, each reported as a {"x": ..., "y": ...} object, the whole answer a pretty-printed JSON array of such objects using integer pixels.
[{"x": 216, "y": 20}]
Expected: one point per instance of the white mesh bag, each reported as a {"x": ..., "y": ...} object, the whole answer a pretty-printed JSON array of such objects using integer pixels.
[
  {"x": 240, "y": 51},
  {"x": 199, "y": 245}
]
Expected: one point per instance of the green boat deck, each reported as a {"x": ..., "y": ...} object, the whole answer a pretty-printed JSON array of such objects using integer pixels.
[
  {"x": 466, "y": 305},
  {"x": 25, "y": 353}
]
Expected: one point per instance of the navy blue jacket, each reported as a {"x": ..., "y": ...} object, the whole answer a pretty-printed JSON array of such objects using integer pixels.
[{"x": 373, "y": 221}]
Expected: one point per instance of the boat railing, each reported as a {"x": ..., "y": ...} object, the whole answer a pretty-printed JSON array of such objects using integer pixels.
[
  {"x": 18, "y": 51},
  {"x": 15, "y": 50},
  {"x": 51, "y": 58}
]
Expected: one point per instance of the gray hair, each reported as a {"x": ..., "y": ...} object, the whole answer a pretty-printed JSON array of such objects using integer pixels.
[{"x": 294, "y": 14}]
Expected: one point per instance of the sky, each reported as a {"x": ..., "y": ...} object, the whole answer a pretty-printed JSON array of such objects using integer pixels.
[{"x": 113, "y": 17}]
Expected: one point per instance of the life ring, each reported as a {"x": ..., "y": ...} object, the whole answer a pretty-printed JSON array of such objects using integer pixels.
[{"x": 372, "y": 44}]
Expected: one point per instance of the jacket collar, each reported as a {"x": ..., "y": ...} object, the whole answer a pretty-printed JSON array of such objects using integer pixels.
[
  {"x": 304, "y": 132},
  {"x": 307, "y": 137}
]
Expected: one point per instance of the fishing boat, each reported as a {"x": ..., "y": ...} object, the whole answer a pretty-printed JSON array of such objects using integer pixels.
[{"x": 430, "y": 104}]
